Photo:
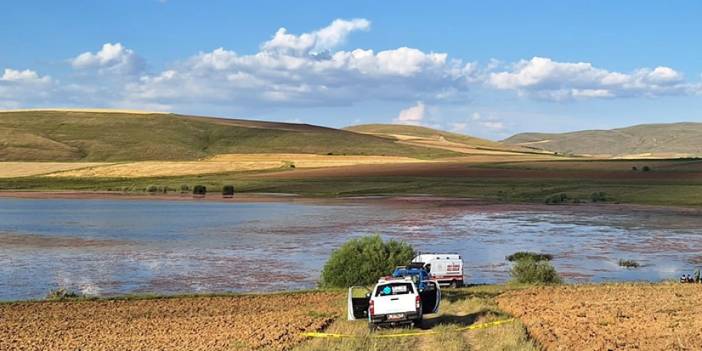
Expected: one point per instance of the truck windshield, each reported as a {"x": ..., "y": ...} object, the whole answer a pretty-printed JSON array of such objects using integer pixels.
[{"x": 394, "y": 289}]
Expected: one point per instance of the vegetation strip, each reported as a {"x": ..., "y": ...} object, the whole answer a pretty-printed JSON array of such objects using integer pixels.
[{"x": 399, "y": 335}]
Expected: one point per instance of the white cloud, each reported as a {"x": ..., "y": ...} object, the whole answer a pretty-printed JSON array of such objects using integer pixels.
[
  {"x": 544, "y": 78},
  {"x": 412, "y": 115},
  {"x": 21, "y": 87},
  {"x": 113, "y": 58},
  {"x": 479, "y": 123},
  {"x": 320, "y": 40},
  {"x": 26, "y": 77},
  {"x": 310, "y": 70},
  {"x": 298, "y": 70}
]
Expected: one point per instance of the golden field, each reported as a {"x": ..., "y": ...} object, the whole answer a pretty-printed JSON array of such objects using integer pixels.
[{"x": 218, "y": 164}]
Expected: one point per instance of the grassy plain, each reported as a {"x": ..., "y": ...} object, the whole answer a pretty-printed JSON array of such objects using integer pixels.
[{"x": 669, "y": 182}]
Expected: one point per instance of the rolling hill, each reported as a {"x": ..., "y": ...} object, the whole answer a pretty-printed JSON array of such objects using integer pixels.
[
  {"x": 647, "y": 140},
  {"x": 428, "y": 137},
  {"x": 99, "y": 136}
]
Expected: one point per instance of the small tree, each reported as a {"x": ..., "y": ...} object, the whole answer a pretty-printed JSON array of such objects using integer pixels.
[
  {"x": 152, "y": 189},
  {"x": 199, "y": 190},
  {"x": 646, "y": 169},
  {"x": 184, "y": 189},
  {"x": 228, "y": 191},
  {"x": 362, "y": 261}
]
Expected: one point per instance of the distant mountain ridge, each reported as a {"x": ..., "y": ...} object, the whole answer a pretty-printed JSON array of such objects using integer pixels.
[{"x": 646, "y": 140}]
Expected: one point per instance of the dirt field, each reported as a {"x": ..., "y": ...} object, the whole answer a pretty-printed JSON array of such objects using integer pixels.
[
  {"x": 611, "y": 317},
  {"x": 270, "y": 322}
]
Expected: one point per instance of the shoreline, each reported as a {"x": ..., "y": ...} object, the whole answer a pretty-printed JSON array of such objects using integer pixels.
[{"x": 417, "y": 199}]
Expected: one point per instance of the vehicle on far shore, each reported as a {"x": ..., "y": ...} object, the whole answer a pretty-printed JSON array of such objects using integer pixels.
[{"x": 447, "y": 269}]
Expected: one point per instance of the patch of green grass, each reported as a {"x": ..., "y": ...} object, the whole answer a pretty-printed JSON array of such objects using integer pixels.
[{"x": 459, "y": 308}]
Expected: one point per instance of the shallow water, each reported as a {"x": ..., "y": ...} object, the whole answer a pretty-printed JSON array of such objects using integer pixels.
[{"x": 109, "y": 247}]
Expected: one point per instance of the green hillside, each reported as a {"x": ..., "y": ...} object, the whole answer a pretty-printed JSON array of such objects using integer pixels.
[
  {"x": 668, "y": 140},
  {"x": 422, "y": 132},
  {"x": 118, "y": 136}
]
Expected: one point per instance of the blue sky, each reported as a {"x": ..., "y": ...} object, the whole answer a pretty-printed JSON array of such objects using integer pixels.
[{"x": 489, "y": 69}]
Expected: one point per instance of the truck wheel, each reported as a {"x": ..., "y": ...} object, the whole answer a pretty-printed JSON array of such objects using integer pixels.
[
  {"x": 372, "y": 327},
  {"x": 453, "y": 284}
]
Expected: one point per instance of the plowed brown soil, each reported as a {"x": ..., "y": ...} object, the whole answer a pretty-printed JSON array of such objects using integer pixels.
[
  {"x": 271, "y": 322},
  {"x": 611, "y": 317}
]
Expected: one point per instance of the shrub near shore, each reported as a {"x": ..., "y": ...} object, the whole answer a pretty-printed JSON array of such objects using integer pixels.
[{"x": 362, "y": 261}]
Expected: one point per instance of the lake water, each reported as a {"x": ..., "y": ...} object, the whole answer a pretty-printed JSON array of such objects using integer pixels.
[{"x": 111, "y": 247}]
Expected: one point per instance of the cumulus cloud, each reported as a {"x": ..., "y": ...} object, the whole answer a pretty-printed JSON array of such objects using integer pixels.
[
  {"x": 412, "y": 115},
  {"x": 20, "y": 87},
  {"x": 114, "y": 58},
  {"x": 544, "y": 78},
  {"x": 317, "y": 41},
  {"x": 313, "y": 69},
  {"x": 302, "y": 70}
]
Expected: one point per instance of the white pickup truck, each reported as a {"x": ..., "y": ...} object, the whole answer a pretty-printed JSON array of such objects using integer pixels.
[{"x": 393, "y": 301}]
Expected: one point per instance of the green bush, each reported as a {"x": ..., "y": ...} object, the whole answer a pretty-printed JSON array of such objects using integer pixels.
[
  {"x": 527, "y": 254},
  {"x": 184, "y": 188},
  {"x": 628, "y": 263},
  {"x": 530, "y": 271},
  {"x": 228, "y": 190},
  {"x": 362, "y": 261},
  {"x": 152, "y": 188},
  {"x": 199, "y": 190},
  {"x": 557, "y": 199},
  {"x": 61, "y": 294},
  {"x": 646, "y": 169},
  {"x": 599, "y": 196}
]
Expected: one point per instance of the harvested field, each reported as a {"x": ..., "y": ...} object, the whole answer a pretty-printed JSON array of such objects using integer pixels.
[
  {"x": 166, "y": 169},
  {"x": 316, "y": 161},
  {"x": 27, "y": 169},
  {"x": 217, "y": 164},
  {"x": 611, "y": 317},
  {"x": 271, "y": 322}
]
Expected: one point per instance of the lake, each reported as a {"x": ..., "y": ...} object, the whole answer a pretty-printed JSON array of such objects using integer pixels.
[{"x": 112, "y": 247}]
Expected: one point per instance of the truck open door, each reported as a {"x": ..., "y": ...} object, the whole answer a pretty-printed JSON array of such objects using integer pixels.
[
  {"x": 358, "y": 303},
  {"x": 431, "y": 297}
]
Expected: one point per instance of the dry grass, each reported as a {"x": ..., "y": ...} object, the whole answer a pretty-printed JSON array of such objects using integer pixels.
[
  {"x": 27, "y": 169},
  {"x": 315, "y": 161},
  {"x": 217, "y": 164},
  {"x": 459, "y": 308}
]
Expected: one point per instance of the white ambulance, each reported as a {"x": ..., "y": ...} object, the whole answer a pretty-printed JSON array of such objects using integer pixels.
[{"x": 447, "y": 269}]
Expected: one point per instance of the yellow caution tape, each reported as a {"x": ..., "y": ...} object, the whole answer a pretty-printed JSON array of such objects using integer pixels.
[{"x": 399, "y": 335}]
